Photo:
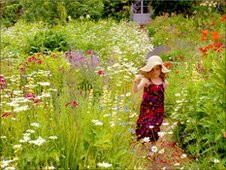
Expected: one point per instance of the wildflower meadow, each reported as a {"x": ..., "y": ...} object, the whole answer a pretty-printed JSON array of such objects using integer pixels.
[{"x": 67, "y": 100}]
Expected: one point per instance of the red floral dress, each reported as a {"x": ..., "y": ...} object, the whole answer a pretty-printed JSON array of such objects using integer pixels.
[{"x": 151, "y": 112}]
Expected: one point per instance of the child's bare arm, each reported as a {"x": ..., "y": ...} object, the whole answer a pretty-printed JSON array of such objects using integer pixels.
[{"x": 139, "y": 83}]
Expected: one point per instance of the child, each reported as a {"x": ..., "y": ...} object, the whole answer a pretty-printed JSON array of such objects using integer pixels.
[{"x": 152, "y": 81}]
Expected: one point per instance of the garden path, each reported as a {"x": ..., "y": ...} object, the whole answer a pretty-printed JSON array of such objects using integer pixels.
[{"x": 169, "y": 156}]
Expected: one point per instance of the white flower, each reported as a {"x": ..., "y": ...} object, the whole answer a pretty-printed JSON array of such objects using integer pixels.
[
  {"x": 128, "y": 94},
  {"x": 177, "y": 94},
  {"x": 161, "y": 134},
  {"x": 106, "y": 115},
  {"x": 170, "y": 133},
  {"x": 162, "y": 151},
  {"x": 49, "y": 167},
  {"x": 5, "y": 163},
  {"x": 165, "y": 124},
  {"x": 132, "y": 115},
  {"x": 10, "y": 168},
  {"x": 30, "y": 131},
  {"x": 39, "y": 141},
  {"x": 44, "y": 83},
  {"x": 104, "y": 164},
  {"x": 22, "y": 108},
  {"x": 19, "y": 146},
  {"x": 35, "y": 124},
  {"x": 154, "y": 149},
  {"x": 146, "y": 139},
  {"x": 216, "y": 161},
  {"x": 97, "y": 122},
  {"x": 53, "y": 137},
  {"x": 183, "y": 156}
]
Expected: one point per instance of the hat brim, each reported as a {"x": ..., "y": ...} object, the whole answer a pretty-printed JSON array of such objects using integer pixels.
[{"x": 148, "y": 68}]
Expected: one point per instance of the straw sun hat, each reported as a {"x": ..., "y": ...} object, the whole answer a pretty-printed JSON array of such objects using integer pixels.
[{"x": 152, "y": 62}]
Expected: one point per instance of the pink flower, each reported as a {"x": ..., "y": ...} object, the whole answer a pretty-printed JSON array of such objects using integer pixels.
[
  {"x": 2, "y": 82},
  {"x": 30, "y": 96},
  {"x": 100, "y": 72},
  {"x": 22, "y": 70},
  {"x": 31, "y": 59},
  {"x": 39, "y": 61},
  {"x": 90, "y": 52}
]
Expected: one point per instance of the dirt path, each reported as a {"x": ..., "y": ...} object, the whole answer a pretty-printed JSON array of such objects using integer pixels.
[{"x": 168, "y": 155}]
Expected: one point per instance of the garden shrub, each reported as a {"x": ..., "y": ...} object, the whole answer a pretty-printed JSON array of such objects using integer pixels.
[
  {"x": 47, "y": 41},
  {"x": 179, "y": 7},
  {"x": 10, "y": 14}
]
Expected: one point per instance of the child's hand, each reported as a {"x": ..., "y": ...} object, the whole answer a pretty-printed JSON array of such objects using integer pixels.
[{"x": 138, "y": 78}]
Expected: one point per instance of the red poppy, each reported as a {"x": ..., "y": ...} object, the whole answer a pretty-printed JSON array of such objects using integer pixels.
[
  {"x": 213, "y": 23},
  {"x": 168, "y": 64},
  {"x": 222, "y": 18},
  {"x": 215, "y": 36},
  {"x": 205, "y": 32}
]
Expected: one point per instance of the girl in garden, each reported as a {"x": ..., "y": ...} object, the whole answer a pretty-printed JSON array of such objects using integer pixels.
[{"x": 153, "y": 83}]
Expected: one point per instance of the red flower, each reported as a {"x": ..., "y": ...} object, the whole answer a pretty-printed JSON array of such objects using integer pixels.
[
  {"x": 39, "y": 61},
  {"x": 204, "y": 50},
  {"x": 2, "y": 82},
  {"x": 29, "y": 96},
  {"x": 215, "y": 36},
  {"x": 100, "y": 72},
  {"x": 222, "y": 18},
  {"x": 168, "y": 64},
  {"x": 73, "y": 104},
  {"x": 205, "y": 32},
  {"x": 37, "y": 101},
  {"x": 22, "y": 70},
  {"x": 180, "y": 57},
  {"x": 90, "y": 52},
  {"x": 31, "y": 59},
  {"x": 6, "y": 114}
]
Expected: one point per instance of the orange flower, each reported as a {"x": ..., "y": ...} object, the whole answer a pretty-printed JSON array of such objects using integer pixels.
[
  {"x": 222, "y": 18},
  {"x": 215, "y": 36},
  {"x": 203, "y": 38},
  {"x": 205, "y": 32},
  {"x": 168, "y": 64},
  {"x": 213, "y": 23}
]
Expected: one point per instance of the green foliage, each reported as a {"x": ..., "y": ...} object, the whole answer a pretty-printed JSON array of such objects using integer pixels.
[
  {"x": 116, "y": 9},
  {"x": 80, "y": 8},
  {"x": 47, "y": 41},
  {"x": 179, "y": 7},
  {"x": 10, "y": 13}
]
